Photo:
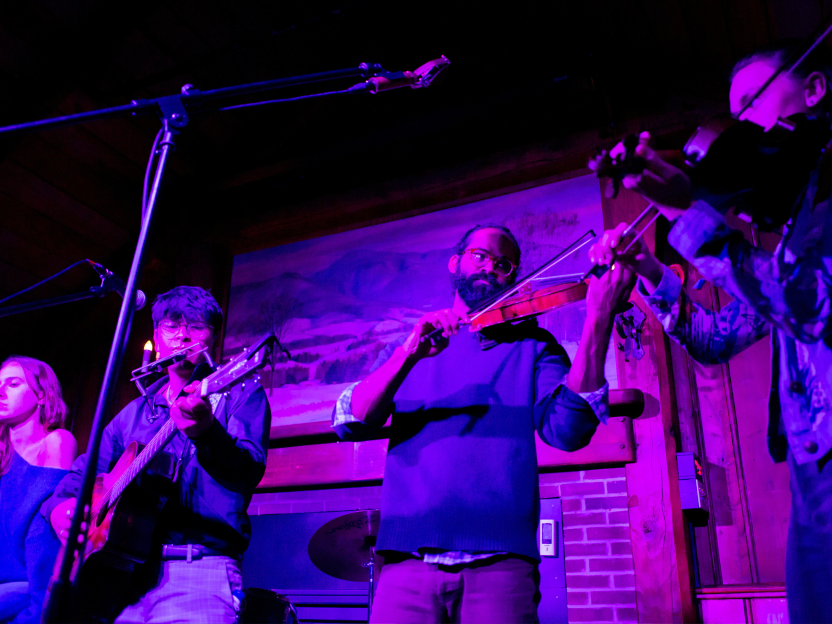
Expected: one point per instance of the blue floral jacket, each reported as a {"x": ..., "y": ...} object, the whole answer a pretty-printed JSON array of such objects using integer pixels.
[{"x": 786, "y": 293}]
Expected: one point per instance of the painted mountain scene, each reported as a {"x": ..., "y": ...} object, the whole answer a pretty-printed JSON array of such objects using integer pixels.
[{"x": 334, "y": 302}]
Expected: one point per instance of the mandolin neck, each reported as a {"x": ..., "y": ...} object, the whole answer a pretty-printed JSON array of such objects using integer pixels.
[{"x": 156, "y": 444}]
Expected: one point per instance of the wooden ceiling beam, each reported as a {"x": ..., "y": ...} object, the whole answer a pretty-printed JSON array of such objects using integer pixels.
[
  {"x": 78, "y": 143},
  {"x": 14, "y": 279},
  {"x": 747, "y": 26},
  {"x": 123, "y": 134},
  {"x": 117, "y": 202},
  {"x": 712, "y": 44},
  {"x": 39, "y": 262},
  {"x": 29, "y": 189},
  {"x": 59, "y": 239},
  {"x": 411, "y": 195}
]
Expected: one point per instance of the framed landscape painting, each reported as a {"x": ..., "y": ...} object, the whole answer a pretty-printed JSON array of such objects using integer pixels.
[{"x": 334, "y": 302}]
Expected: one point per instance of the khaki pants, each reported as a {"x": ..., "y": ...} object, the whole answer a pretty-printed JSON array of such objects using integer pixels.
[
  {"x": 198, "y": 592},
  {"x": 500, "y": 589}
]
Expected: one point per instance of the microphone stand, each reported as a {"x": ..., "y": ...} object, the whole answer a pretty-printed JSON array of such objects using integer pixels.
[
  {"x": 173, "y": 112},
  {"x": 96, "y": 292}
]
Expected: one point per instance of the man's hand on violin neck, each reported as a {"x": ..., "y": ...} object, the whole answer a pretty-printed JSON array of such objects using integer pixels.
[
  {"x": 448, "y": 320},
  {"x": 609, "y": 292},
  {"x": 638, "y": 257},
  {"x": 665, "y": 185}
]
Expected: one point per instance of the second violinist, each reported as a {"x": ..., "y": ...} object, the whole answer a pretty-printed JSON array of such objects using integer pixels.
[
  {"x": 460, "y": 498},
  {"x": 785, "y": 294}
]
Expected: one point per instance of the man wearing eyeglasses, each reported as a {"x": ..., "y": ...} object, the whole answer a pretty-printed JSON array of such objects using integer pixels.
[
  {"x": 460, "y": 499},
  {"x": 220, "y": 456}
]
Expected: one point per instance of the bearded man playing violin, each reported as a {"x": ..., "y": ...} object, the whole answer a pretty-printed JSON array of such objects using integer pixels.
[
  {"x": 785, "y": 294},
  {"x": 460, "y": 499}
]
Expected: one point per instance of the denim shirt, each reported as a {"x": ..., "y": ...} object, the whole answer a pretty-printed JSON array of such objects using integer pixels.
[
  {"x": 217, "y": 472},
  {"x": 786, "y": 293}
]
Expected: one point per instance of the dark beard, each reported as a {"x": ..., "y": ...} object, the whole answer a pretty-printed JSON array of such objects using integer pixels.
[{"x": 475, "y": 294}]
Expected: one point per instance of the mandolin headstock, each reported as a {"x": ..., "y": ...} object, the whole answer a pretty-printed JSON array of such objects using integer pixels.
[{"x": 242, "y": 366}]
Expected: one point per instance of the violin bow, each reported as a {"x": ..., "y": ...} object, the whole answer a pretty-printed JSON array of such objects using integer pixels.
[{"x": 636, "y": 229}]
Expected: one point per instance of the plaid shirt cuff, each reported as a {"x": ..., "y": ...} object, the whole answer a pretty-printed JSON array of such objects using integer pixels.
[
  {"x": 343, "y": 408},
  {"x": 666, "y": 293},
  {"x": 599, "y": 401},
  {"x": 694, "y": 228},
  {"x": 664, "y": 302},
  {"x": 451, "y": 558}
]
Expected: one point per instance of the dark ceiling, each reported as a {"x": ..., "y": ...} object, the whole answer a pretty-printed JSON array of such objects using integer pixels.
[{"x": 523, "y": 73}]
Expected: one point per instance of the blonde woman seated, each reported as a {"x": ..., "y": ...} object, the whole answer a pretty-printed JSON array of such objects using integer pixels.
[{"x": 34, "y": 455}]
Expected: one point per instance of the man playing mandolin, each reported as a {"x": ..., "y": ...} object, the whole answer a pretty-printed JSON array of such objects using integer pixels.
[
  {"x": 785, "y": 294},
  {"x": 220, "y": 456},
  {"x": 460, "y": 500}
]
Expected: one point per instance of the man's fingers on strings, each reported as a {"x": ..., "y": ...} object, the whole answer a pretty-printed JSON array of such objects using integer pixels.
[
  {"x": 617, "y": 151},
  {"x": 632, "y": 182},
  {"x": 655, "y": 187}
]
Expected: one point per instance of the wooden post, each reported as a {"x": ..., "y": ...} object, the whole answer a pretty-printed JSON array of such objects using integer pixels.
[{"x": 658, "y": 531}]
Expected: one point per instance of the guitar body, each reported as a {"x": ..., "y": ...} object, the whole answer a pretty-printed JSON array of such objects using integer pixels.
[{"x": 122, "y": 539}]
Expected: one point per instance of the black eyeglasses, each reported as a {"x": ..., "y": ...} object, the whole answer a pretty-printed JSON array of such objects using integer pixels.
[
  {"x": 480, "y": 257},
  {"x": 171, "y": 328}
]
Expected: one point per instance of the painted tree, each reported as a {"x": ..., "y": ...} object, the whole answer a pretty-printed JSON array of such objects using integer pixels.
[{"x": 276, "y": 314}]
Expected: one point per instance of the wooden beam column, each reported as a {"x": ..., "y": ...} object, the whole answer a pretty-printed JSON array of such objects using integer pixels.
[{"x": 658, "y": 531}]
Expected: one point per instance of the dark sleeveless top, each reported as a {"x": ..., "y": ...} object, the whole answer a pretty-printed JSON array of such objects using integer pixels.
[{"x": 28, "y": 545}]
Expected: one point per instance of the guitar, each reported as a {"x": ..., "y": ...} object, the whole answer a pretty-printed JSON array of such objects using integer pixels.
[{"x": 127, "y": 501}]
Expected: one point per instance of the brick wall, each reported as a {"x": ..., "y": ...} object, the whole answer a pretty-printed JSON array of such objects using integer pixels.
[
  {"x": 600, "y": 586},
  {"x": 599, "y": 563}
]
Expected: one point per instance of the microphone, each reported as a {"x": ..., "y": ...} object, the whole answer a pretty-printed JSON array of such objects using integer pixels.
[
  {"x": 417, "y": 79},
  {"x": 161, "y": 364},
  {"x": 111, "y": 281}
]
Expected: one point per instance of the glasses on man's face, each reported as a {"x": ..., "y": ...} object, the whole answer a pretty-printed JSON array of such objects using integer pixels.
[
  {"x": 197, "y": 330},
  {"x": 480, "y": 257}
]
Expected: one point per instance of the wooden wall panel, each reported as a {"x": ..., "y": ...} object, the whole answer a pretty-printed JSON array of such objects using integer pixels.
[
  {"x": 766, "y": 483},
  {"x": 344, "y": 462},
  {"x": 722, "y": 473},
  {"x": 323, "y": 463},
  {"x": 690, "y": 441},
  {"x": 613, "y": 443}
]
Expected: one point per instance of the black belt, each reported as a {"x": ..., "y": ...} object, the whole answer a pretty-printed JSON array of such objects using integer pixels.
[{"x": 189, "y": 552}]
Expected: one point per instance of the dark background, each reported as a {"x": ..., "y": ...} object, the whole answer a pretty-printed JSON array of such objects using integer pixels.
[{"x": 533, "y": 89}]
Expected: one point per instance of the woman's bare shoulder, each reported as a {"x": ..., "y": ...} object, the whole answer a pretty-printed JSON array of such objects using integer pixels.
[{"x": 60, "y": 449}]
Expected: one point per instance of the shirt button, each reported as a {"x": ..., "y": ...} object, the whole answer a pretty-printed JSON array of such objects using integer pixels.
[
  {"x": 811, "y": 446},
  {"x": 796, "y": 387}
]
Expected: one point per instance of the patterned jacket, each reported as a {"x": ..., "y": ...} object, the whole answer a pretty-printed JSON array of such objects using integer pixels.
[{"x": 786, "y": 293}]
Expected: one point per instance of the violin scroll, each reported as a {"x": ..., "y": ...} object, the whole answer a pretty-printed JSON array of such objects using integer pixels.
[{"x": 612, "y": 166}]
